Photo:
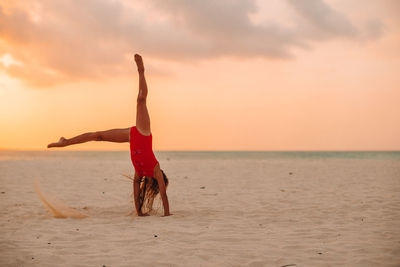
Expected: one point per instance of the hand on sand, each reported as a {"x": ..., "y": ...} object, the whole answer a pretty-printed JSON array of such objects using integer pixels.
[
  {"x": 61, "y": 143},
  {"x": 139, "y": 63}
]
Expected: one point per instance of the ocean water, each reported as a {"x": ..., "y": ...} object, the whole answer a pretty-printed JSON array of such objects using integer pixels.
[{"x": 200, "y": 155}]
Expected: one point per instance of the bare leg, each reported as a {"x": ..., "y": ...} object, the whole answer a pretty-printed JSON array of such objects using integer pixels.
[
  {"x": 114, "y": 135},
  {"x": 142, "y": 114}
]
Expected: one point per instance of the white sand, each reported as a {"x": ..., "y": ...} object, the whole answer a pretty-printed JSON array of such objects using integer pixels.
[{"x": 331, "y": 212}]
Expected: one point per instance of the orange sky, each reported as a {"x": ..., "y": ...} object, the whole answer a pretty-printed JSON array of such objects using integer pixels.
[{"x": 276, "y": 75}]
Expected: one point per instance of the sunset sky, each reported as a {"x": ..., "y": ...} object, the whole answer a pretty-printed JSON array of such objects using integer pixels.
[{"x": 222, "y": 75}]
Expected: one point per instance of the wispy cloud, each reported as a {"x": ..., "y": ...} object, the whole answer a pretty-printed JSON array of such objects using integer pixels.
[{"x": 62, "y": 40}]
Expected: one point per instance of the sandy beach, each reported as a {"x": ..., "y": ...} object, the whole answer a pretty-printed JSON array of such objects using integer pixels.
[{"x": 227, "y": 211}]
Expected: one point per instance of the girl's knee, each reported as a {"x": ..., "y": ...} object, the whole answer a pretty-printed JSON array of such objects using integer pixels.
[
  {"x": 141, "y": 100},
  {"x": 97, "y": 136}
]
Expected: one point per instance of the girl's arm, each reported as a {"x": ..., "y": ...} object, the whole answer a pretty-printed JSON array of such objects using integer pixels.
[
  {"x": 136, "y": 188},
  {"x": 163, "y": 192}
]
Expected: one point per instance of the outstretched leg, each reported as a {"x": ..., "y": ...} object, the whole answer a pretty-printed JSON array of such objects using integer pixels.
[
  {"x": 142, "y": 114},
  {"x": 114, "y": 135}
]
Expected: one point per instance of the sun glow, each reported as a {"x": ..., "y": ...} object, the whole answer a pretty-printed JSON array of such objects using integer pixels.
[
  {"x": 8, "y": 60},
  {"x": 262, "y": 75}
]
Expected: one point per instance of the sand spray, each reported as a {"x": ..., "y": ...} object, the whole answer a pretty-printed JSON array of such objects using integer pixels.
[{"x": 56, "y": 207}]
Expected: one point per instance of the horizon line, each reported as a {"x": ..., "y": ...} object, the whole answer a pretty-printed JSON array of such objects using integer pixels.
[{"x": 197, "y": 150}]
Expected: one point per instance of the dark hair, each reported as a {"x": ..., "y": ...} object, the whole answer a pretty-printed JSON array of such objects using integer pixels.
[{"x": 148, "y": 191}]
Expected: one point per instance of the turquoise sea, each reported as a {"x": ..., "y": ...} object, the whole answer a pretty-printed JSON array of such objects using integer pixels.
[{"x": 179, "y": 155}]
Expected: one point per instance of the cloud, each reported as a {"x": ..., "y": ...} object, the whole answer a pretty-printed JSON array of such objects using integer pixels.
[
  {"x": 323, "y": 22},
  {"x": 320, "y": 22},
  {"x": 61, "y": 41}
]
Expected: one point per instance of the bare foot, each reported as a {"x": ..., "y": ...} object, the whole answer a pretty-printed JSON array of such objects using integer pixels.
[
  {"x": 61, "y": 143},
  {"x": 139, "y": 63}
]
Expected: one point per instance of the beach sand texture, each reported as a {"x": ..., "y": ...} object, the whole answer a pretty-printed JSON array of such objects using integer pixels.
[{"x": 227, "y": 211}]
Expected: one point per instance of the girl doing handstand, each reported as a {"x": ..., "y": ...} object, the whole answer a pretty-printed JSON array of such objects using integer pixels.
[{"x": 149, "y": 179}]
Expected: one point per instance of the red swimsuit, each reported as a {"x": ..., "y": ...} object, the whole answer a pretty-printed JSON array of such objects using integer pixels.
[{"x": 142, "y": 155}]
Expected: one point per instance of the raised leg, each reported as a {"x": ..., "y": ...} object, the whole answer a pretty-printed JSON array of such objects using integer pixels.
[
  {"x": 113, "y": 135},
  {"x": 142, "y": 114}
]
